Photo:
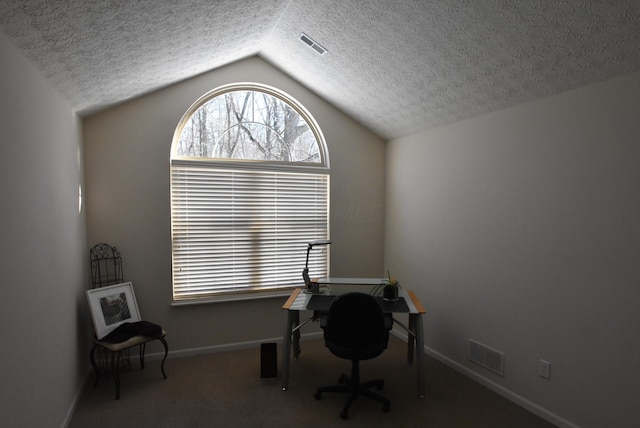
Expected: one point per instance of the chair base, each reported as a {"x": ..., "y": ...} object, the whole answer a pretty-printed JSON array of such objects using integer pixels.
[{"x": 355, "y": 388}]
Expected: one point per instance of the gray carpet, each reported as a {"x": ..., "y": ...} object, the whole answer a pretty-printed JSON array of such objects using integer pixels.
[{"x": 225, "y": 390}]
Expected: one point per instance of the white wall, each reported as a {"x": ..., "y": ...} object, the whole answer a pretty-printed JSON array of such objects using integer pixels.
[
  {"x": 521, "y": 229},
  {"x": 127, "y": 176},
  {"x": 43, "y": 255}
]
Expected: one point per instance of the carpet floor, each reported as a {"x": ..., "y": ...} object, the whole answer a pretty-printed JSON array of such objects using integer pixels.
[{"x": 225, "y": 390}]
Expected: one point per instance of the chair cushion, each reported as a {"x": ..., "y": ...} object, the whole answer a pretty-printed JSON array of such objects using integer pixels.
[
  {"x": 133, "y": 341},
  {"x": 127, "y": 330}
]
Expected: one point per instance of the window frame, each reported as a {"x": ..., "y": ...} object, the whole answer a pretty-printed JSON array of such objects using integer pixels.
[{"x": 317, "y": 168}]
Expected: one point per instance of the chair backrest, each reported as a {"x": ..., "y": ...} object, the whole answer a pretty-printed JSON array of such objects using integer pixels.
[
  {"x": 106, "y": 265},
  {"x": 355, "y": 327}
]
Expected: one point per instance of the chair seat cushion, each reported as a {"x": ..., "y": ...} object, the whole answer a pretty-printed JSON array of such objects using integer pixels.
[
  {"x": 355, "y": 352},
  {"x": 127, "y": 330},
  {"x": 133, "y": 341}
]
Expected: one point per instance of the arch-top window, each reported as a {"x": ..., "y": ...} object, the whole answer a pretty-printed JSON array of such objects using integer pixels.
[{"x": 249, "y": 189}]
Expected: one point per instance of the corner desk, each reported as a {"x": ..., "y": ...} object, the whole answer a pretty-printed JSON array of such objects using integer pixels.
[{"x": 300, "y": 301}]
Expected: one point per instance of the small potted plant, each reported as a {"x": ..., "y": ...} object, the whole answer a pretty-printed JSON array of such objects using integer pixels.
[{"x": 390, "y": 290}]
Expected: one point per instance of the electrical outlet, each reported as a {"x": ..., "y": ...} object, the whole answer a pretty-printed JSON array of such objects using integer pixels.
[{"x": 544, "y": 369}]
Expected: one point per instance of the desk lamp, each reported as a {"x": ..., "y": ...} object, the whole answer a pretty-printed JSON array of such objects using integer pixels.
[{"x": 312, "y": 287}]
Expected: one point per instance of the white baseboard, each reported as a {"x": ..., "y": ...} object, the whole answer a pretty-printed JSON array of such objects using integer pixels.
[
  {"x": 499, "y": 389},
  {"x": 76, "y": 398},
  {"x": 156, "y": 356}
]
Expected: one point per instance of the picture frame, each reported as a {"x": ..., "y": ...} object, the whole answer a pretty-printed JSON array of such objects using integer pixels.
[{"x": 112, "y": 306}]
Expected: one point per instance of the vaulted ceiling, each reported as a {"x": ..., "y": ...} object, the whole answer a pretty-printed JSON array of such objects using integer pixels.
[{"x": 396, "y": 66}]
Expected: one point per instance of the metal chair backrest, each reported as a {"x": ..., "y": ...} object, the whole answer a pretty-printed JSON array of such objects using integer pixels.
[{"x": 106, "y": 265}]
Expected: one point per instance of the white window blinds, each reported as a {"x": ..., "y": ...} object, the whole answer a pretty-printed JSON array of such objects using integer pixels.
[{"x": 242, "y": 230}]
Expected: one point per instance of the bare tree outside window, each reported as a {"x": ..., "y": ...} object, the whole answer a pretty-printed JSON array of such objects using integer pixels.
[{"x": 248, "y": 125}]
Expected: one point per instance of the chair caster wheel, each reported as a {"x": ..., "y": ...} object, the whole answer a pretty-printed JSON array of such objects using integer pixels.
[
  {"x": 386, "y": 408},
  {"x": 344, "y": 415},
  {"x": 317, "y": 395}
]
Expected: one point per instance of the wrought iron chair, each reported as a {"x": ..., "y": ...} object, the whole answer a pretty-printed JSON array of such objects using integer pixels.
[{"x": 106, "y": 269}]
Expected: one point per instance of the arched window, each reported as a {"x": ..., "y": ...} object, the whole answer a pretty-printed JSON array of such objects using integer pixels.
[{"x": 249, "y": 189}]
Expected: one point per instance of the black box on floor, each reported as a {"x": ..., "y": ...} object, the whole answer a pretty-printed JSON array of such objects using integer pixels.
[{"x": 268, "y": 360}]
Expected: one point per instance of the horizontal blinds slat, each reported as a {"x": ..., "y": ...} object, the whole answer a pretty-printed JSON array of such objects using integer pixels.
[{"x": 237, "y": 230}]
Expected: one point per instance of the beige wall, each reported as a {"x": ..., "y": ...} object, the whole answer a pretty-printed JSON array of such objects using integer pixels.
[
  {"x": 127, "y": 175},
  {"x": 521, "y": 229},
  {"x": 44, "y": 329}
]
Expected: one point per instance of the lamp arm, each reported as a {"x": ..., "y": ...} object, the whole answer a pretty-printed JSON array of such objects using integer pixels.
[
  {"x": 312, "y": 287},
  {"x": 306, "y": 263},
  {"x": 305, "y": 271}
]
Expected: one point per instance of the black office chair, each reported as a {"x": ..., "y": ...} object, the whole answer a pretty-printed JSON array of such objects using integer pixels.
[{"x": 355, "y": 329}]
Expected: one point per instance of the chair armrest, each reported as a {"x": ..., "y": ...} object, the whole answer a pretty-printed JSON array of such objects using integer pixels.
[
  {"x": 323, "y": 320},
  {"x": 388, "y": 321}
]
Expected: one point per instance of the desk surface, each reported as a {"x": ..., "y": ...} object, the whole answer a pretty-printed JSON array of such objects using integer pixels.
[
  {"x": 322, "y": 303},
  {"x": 351, "y": 281},
  {"x": 299, "y": 301}
]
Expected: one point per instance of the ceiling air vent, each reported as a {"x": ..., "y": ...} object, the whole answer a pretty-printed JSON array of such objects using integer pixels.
[{"x": 312, "y": 43}]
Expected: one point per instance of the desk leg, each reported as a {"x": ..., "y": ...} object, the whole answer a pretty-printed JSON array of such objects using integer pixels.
[
  {"x": 412, "y": 337},
  {"x": 296, "y": 335},
  {"x": 419, "y": 334},
  {"x": 293, "y": 318}
]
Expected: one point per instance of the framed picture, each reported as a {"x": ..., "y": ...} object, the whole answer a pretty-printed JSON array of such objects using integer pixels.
[{"x": 111, "y": 306}]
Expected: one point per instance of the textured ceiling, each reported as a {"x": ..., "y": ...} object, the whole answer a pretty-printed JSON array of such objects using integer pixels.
[{"x": 397, "y": 66}]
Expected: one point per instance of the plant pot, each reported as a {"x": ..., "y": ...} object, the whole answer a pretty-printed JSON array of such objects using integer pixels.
[{"x": 390, "y": 293}]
